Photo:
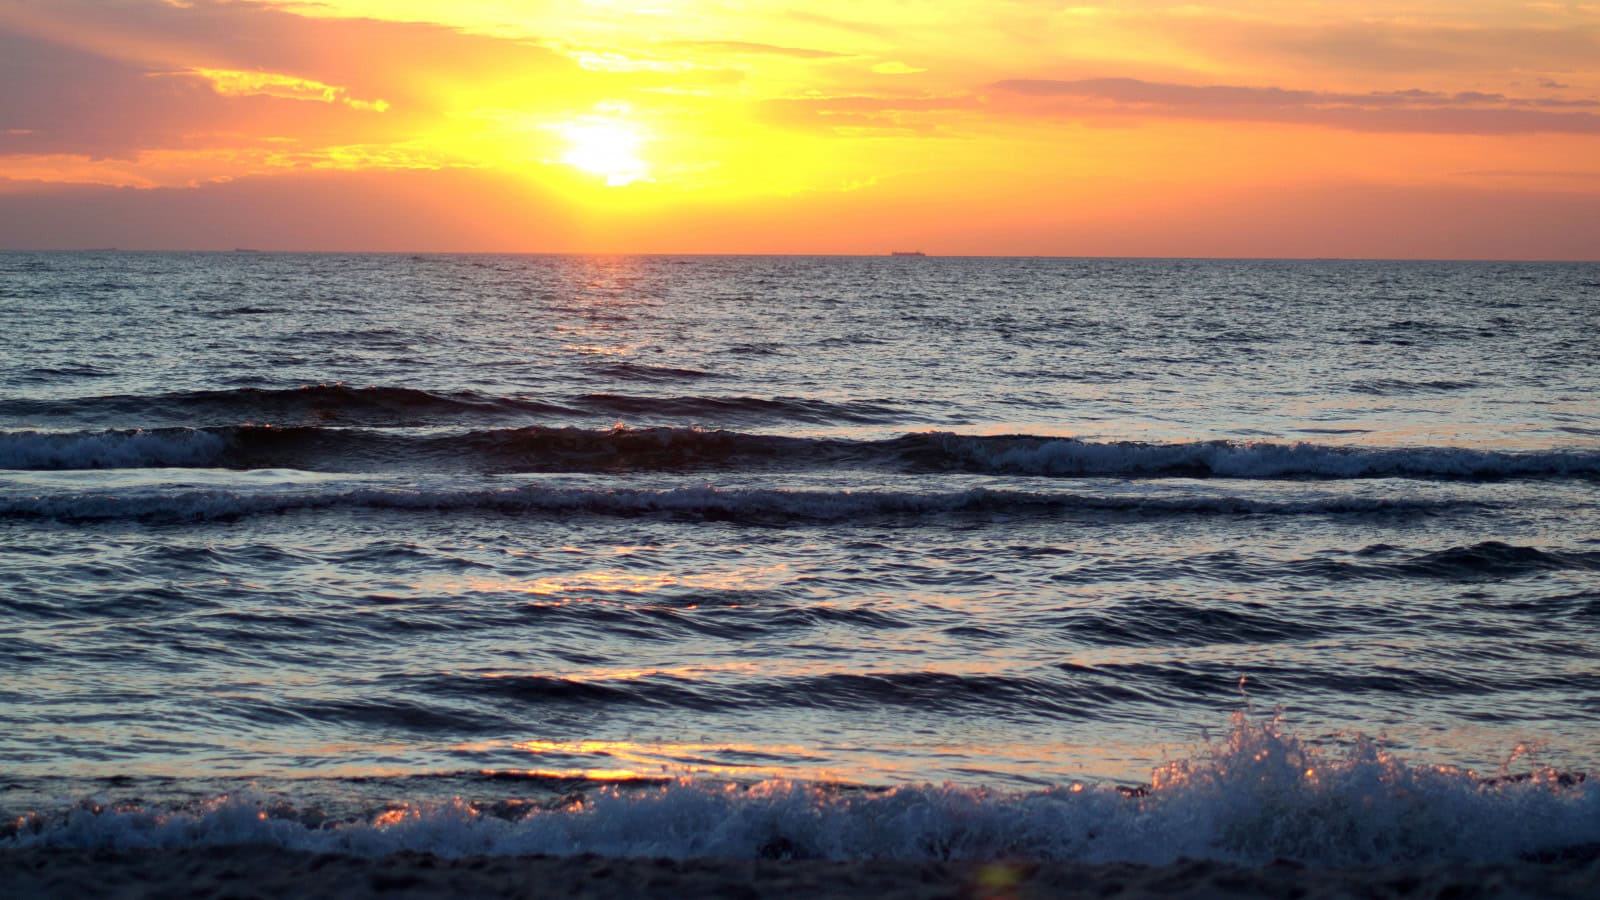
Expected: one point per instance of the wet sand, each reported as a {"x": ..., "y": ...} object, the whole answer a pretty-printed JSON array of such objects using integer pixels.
[{"x": 255, "y": 871}]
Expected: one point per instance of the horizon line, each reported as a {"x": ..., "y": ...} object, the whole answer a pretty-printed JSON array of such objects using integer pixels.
[{"x": 252, "y": 251}]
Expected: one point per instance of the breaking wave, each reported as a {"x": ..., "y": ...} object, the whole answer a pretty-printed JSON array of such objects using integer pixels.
[
  {"x": 538, "y": 448},
  {"x": 1029, "y": 455},
  {"x": 1260, "y": 795}
]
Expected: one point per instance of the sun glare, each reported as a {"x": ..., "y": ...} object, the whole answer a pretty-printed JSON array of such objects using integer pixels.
[{"x": 605, "y": 147}]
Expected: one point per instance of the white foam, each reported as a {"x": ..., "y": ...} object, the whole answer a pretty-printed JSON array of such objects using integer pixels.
[
  {"x": 1262, "y": 795},
  {"x": 109, "y": 449},
  {"x": 1260, "y": 460}
]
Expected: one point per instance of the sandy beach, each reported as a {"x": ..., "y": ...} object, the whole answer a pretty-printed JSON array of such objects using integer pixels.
[{"x": 257, "y": 871}]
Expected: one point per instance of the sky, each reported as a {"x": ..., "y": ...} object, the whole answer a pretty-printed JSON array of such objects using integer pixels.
[{"x": 1239, "y": 128}]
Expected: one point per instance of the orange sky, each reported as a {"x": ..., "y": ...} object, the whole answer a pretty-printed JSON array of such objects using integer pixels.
[{"x": 1411, "y": 128}]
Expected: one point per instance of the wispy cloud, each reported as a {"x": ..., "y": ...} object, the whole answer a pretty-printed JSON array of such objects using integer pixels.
[
  {"x": 867, "y": 114},
  {"x": 1410, "y": 110},
  {"x": 750, "y": 48},
  {"x": 1576, "y": 174},
  {"x": 231, "y": 83}
]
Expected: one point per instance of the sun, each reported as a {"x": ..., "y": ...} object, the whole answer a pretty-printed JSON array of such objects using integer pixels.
[{"x": 606, "y": 147}]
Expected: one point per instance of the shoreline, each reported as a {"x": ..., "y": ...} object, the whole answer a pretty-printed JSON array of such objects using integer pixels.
[{"x": 265, "y": 871}]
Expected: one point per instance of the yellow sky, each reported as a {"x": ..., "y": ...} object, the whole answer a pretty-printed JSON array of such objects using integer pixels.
[{"x": 1137, "y": 128}]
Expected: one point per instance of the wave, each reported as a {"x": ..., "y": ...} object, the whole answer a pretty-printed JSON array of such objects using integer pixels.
[
  {"x": 132, "y": 449},
  {"x": 641, "y": 372},
  {"x": 322, "y": 448},
  {"x": 1384, "y": 387},
  {"x": 233, "y": 447},
  {"x": 794, "y": 409},
  {"x": 1262, "y": 794},
  {"x": 1030, "y": 455},
  {"x": 762, "y": 506},
  {"x": 339, "y": 404},
  {"x": 1485, "y": 560},
  {"x": 998, "y": 696},
  {"x": 1491, "y": 559},
  {"x": 328, "y": 404},
  {"x": 540, "y": 448},
  {"x": 1064, "y": 692},
  {"x": 1195, "y": 680},
  {"x": 1147, "y": 621},
  {"x": 55, "y": 374}
]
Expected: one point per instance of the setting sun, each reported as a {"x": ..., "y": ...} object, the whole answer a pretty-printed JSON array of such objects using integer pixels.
[{"x": 605, "y": 147}]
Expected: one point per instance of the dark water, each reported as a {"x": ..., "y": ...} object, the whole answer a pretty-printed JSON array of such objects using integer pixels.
[{"x": 716, "y": 555}]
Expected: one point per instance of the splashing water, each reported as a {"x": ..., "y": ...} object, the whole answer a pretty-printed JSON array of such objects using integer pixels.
[{"x": 1261, "y": 794}]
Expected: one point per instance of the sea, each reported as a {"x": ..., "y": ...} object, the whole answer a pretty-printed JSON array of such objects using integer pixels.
[{"x": 800, "y": 557}]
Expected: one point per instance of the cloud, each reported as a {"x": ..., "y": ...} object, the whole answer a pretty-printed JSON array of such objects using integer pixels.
[
  {"x": 408, "y": 64},
  {"x": 1563, "y": 174},
  {"x": 1463, "y": 41},
  {"x": 851, "y": 26},
  {"x": 749, "y": 48},
  {"x": 119, "y": 80},
  {"x": 895, "y": 67},
  {"x": 251, "y": 35},
  {"x": 231, "y": 83},
  {"x": 1415, "y": 111},
  {"x": 867, "y": 114},
  {"x": 62, "y": 100},
  {"x": 1402, "y": 46},
  {"x": 867, "y": 103}
]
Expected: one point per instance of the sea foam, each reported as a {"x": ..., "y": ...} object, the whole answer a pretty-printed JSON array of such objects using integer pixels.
[
  {"x": 134, "y": 448},
  {"x": 1260, "y": 795},
  {"x": 1030, "y": 455}
]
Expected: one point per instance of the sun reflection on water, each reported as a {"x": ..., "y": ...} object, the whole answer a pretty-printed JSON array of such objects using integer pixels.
[{"x": 613, "y": 581}]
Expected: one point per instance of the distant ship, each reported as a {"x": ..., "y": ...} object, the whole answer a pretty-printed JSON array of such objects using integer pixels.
[{"x": 907, "y": 253}]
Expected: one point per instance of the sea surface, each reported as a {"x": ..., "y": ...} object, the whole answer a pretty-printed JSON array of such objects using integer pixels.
[{"x": 788, "y": 556}]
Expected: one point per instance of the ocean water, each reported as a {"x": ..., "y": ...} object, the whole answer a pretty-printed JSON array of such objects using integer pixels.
[{"x": 1087, "y": 559}]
